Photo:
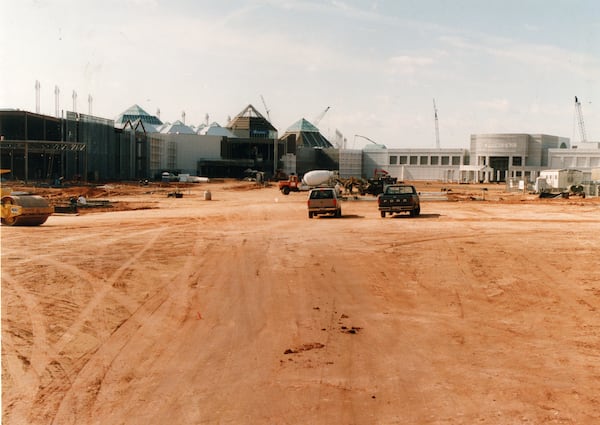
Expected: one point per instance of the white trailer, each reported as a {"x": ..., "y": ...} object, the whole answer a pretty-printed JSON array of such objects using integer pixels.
[{"x": 562, "y": 179}]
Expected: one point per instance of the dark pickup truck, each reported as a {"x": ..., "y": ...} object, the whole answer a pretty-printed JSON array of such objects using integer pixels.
[{"x": 398, "y": 198}]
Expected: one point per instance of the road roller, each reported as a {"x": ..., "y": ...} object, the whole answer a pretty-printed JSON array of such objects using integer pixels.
[
  {"x": 22, "y": 208},
  {"x": 25, "y": 210}
]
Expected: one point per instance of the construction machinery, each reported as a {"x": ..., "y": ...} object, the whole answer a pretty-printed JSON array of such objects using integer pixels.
[
  {"x": 377, "y": 145},
  {"x": 581, "y": 125},
  {"x": 23, "y": 209},
  {"x": 310, "y": 180},
  {"x": 319, "y": 117}
]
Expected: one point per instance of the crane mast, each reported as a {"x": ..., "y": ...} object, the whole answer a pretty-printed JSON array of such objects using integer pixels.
[
  {"x": 437, "y": 128},
  {"x": 579, "y": 116}
]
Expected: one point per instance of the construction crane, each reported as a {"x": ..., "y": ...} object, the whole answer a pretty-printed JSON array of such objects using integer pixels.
[
  {"x": 266, "y": 109},
  {"x": 379, "y": 145},
  {"x": 437, "y": 128},
  {"x": 579, "y": 116},
  {"x": 319, "y": 117}
]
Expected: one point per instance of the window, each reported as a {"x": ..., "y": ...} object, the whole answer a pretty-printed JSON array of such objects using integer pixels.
[
  {"x": 423, "y": 160},
  {"x": 456, "y": 160},
  {"x": 517, "y": 161},
  {"x": 396, "y": 190},
  {"x": 403, "y": 160},
  {"x": 413, "y": 160},
  {"x": 435, "y": 160},
  {"x": 321, "y": 194},
  {"x": 445, "y": 160},
  {"x": 393, "y": 160}
]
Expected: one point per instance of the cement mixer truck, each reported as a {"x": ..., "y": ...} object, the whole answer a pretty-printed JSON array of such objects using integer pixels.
[{"x": 310, "y": 180}]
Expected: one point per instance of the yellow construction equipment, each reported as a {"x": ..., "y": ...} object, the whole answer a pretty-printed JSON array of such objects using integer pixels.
[{"x": 23, "y": 209}]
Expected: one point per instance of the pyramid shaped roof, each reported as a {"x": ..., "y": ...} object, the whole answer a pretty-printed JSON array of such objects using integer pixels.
[
  {"x": 177, "y": 127},
  {"x": 136, "y": 112},
  {"x": 251, "y": 123},
  {"x": 307, "y": 135},
  {"x": 302, "y": 125},
  {"x": 215, "y": 130}
]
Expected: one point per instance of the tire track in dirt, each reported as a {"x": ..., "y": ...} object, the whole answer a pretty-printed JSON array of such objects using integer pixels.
[
  {"x": 21, "y": 366},
  {"x": 504, "y": 289},
  {"x": 172, "y": 308},
  {"x": 43, "y": 354},
  {"x": 241, "y": 322},
  {"x": 74, "y": 405},
  {"x": 104, "y": 289},
  {"x": 59, "y": 378}
]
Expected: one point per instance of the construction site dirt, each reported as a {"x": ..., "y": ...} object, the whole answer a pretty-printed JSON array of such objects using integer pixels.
[{"x": 238, "y": 309}]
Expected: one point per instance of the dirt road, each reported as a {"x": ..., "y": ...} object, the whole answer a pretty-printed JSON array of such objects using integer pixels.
[{"x": 241, "y": 310}]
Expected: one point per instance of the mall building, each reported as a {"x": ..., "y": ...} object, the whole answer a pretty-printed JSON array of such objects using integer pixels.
[
  {"x": 491, "y": 158},
  {"x": 137, "y": 145}
]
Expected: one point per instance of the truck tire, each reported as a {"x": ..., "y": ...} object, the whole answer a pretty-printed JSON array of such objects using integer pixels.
[
  {"x": 415, "y": 212},
  {"x": 310, "y": 215},
  {"x": 382, "y": 214},
  {"x": 285, "y": 190},
  {"x": 338, "y": 213}
]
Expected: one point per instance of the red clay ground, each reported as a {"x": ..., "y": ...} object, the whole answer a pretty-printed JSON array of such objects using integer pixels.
[{"x": 242, "y": 310}]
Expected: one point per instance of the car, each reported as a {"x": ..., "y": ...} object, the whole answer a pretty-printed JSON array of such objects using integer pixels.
[{"x": 324, "y": 200}]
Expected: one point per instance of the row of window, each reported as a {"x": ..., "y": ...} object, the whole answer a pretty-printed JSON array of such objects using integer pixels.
[{"x": 424, "y": 160}]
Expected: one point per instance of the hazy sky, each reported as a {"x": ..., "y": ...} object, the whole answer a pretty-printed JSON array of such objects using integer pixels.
[{"x": 510, "y": 66}]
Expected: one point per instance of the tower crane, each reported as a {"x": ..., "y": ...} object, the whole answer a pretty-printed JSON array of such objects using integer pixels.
[
  {"x": 266, "y": 109},
  {"x": 579, "y": 116},
  {"x": 319, "y": 117},
  {"x": 437, "y": 128}
]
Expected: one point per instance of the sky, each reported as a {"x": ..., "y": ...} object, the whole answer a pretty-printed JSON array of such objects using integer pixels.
[{"x": 510, "y": 66}]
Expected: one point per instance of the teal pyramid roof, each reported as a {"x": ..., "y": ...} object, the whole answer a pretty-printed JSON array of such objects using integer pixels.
[
  {"x": 136, "y": 112},
  {"x": 307, "y": 135},
  {"x": 302, "y": 125}
]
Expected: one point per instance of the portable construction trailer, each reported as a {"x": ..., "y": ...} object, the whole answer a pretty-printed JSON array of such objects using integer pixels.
[{"x": 562, "y": 179}]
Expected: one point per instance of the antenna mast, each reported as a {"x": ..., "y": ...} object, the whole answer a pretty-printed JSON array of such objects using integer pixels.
[
  {"x": 37, "y": 97},
  {"x": 56, "y": 99}
]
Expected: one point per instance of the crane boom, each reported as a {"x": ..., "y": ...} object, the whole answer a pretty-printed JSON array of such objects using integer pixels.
[
  {"x": 266, "y": 109},
  {"x": 372, "y": 141},
  {"x": 319, "y": 117},
  {"x": 366, "y": 138},
  {"x": 437, "y": 128}
]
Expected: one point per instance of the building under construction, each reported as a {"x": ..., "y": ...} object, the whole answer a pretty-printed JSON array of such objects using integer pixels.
[
  {"x": 78, "y": 147},
  {"x": 137, "y": 145},
  {"x": 132, "y": 147}
]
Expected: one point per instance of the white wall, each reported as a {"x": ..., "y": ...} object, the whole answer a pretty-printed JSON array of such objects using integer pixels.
[{"x": 189, "y": 149}]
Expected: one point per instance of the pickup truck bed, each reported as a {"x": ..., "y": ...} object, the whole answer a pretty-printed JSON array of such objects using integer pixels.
[{"x": 399, "y": 198}]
